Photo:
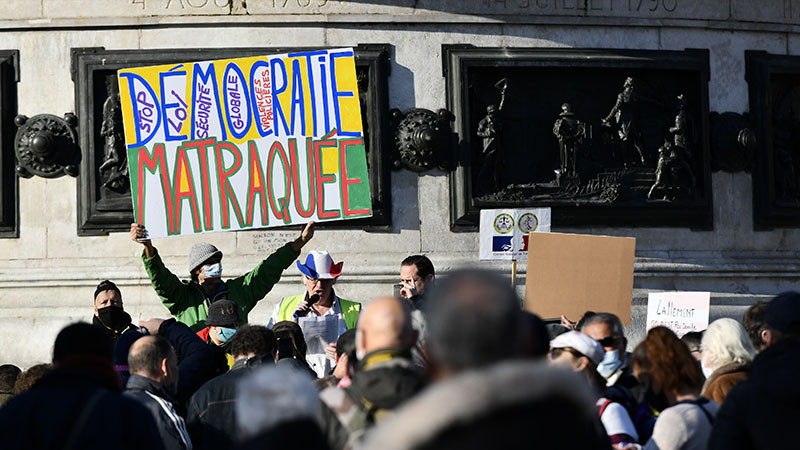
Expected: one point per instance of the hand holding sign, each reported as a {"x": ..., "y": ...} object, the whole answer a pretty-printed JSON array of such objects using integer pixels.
[
  {"x": 305, "y": 236},
  {"x": 139, "y": 234}
]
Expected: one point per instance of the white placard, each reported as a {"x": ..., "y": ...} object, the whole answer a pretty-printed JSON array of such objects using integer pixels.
[
  {"x": 504, "y": 232},
  {"x": 681, "y": 312}
]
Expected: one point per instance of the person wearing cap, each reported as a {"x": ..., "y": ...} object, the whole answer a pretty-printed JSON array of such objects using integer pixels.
[
  {"x": 223, "y": 321},
  {"x": 319, "y": 275},
  {"x": 578, "y": 352},
  {"x": 108, "y": 312},
  {"x": 762, "y": 412},
  {"x": 189, "y": 300}
]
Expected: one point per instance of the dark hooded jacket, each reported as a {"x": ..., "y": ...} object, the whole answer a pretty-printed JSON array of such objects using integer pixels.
[
  {"x": 386, "y": 379},
  {"x": 198, "y": 362},
  {"x": 162, "y": 406},
  {"x": 78, "y": 408},
  {"x": 763, "y": 411},
  {"x": 212, "y": 413}
]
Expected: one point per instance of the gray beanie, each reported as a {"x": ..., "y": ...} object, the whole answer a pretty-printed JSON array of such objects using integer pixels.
[{"x": 200, "y": 253}]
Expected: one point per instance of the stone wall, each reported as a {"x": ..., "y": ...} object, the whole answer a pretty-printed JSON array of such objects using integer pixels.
[{"x": 48, "y": 274}]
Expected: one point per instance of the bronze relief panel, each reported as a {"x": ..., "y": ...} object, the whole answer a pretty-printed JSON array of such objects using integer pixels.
[{"x": 604, "y": 137}]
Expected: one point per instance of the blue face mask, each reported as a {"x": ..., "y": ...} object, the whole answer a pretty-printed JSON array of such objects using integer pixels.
[
  {"x": 610, "y": 363},
  {"x": 213, "y": 270},
  {"x": 226, "y": 333}
]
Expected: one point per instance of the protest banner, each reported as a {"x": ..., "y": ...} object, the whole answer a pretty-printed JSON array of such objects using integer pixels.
[
  {"x": 570, "y": 274},
  {"x": 681, "y": 312},
  {"x": 504, "y": 232},
  {"x": 245, "y": 143}
]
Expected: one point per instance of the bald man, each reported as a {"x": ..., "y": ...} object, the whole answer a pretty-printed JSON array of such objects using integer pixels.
[
  {"x": 153, "y": 365},
  {"x": 384, "y": 378}
]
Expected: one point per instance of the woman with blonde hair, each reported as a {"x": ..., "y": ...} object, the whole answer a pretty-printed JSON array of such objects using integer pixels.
[{"x": 726, "y": 355}]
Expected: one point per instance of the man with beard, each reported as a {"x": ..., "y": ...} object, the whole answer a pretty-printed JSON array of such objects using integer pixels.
[{"x": 108, "y": 312}]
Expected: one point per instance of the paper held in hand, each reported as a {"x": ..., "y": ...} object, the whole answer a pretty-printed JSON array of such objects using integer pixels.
[{"x": 681, "y": 312}]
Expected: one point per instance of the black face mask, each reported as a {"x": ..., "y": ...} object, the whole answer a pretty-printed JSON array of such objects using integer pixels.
[
  {"x": 113, "y": 317},
  {"x": 657, "y": 401}
]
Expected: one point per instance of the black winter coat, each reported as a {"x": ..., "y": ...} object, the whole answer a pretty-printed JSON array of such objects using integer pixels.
[
  {"x": 763, "y": 411},
  {"x": 114, "y": 334},
  {"x": 212, "y": 414},
  {"x": 45, "y": 416},
  {"x": 198, "y": 362},
  {"x": 162, "y": 407}
]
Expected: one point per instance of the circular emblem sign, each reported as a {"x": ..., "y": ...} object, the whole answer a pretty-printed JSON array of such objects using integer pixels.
[
  {"x": 503, "y": 223},
  {"x": 528, "y": 222}
]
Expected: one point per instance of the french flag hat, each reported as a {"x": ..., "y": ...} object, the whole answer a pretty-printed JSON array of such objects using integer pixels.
[{"x": 319, "y": 265}]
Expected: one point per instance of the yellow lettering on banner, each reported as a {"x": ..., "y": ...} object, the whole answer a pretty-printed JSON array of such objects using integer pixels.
[
  {"x": 184, "y": 185},
  {"x": 349, "y": 106},
  {"x": 256, "y": 178},
  {"x": 330, "y": 160}
]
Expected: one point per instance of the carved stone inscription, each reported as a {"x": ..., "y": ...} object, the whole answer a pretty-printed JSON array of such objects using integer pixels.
[
  {"x": 710, "y": 10},
  {"x": 189, "y": 6},
  {"x": 629, "y": 136},
  {"x": 764, "y": 11}
]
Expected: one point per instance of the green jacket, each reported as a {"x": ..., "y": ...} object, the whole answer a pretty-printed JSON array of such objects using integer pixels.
[
  {"x": 350, "y": 309},
  {"x": 188, "y": 303}
]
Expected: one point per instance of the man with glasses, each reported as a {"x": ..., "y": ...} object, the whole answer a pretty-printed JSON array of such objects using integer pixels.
[
  {"x": 623, "y": 387},
  {"x": 321, "y": 314}
]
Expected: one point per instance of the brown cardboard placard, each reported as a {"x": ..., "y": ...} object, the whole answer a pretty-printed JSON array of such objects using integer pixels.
[{"x": 570, "y": 274}]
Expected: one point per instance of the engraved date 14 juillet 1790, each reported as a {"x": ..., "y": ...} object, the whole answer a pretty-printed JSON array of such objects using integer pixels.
[{"x": 197, "y": 4}]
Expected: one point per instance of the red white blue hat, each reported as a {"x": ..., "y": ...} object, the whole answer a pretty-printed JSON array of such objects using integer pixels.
[{"x": 319, "y": 265}]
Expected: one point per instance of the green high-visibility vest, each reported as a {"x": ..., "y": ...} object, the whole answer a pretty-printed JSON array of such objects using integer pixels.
[{"x": 350, "y": 309}]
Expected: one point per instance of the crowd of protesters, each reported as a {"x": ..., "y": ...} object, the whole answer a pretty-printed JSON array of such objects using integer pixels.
[{"x": 451, "y": 363}]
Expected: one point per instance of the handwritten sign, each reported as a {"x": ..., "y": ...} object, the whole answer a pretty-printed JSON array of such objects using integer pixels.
[
  {"x": 245, "y": 143},
  {"x": 681, "y": 312},
  {"x": 505, "y": 232}
]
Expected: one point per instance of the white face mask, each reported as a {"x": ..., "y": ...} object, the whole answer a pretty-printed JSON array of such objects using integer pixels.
[
  {"x": 213, "y": 270},
  {"x": 707, "y": 371},
  {"x": 610, "y": 363}
]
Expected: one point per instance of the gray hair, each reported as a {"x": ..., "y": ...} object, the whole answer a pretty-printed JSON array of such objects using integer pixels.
[
  {"x": 272, "y": 395},
  {"x": 611, "y": 319},
  {"x": 474, "y": 320},
  {"x": 728, "y": 341}
]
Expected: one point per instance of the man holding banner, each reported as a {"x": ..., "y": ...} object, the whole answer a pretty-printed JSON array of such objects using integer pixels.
[{"x": 189, "y": 301}]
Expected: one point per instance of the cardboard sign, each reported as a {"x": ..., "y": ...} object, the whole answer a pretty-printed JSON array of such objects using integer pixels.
[
  {"x": 504, "y": 232},
  {"x": 570, "y": 274},
  {"x": 681, "y": 312},
  {"x": 245, "y": 143}
]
